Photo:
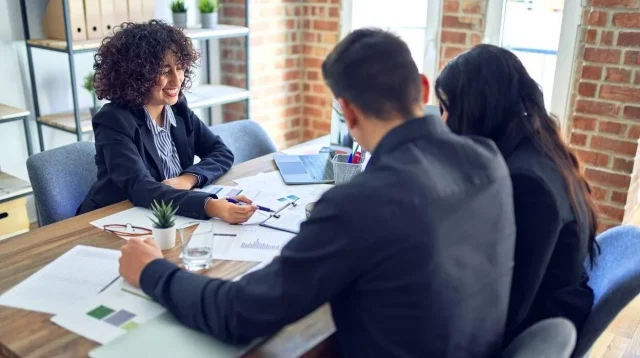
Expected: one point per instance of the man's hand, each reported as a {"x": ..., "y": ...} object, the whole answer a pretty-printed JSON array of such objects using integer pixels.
[
  {"x": 229, "y": 212},
  {"x": 136, "y": 254},
  {"x": 183, "y": 182}
]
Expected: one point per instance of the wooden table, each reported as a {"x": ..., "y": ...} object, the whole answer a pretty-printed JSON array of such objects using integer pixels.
[{"x": 32, "y": 334}]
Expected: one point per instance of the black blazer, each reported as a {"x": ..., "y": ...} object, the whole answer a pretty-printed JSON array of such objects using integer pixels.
[
  {"x": 549, "y": 278},
  {"x": 129, "y": 167}
]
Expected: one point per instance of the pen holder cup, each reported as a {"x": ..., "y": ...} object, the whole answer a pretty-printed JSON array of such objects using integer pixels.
[{"x": 343, "y": 171}]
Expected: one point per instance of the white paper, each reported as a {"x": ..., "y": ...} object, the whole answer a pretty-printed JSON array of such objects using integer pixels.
[
  {"x": 109, "y": 314},
  {"x": 223, "y": 191},
  {"x": 79, "y": 273},
  {"x": 250, "y": 243}
]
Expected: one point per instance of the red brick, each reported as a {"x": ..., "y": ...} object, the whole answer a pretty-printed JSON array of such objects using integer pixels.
[
  {"x": 293, "y": 87},
  {"x": 618, "y": 146},
  {"x": 308, "y": 134},
  {"x": 453, "y": 37},
  {"x": 312, "y": 111},
  {"x": 293, "y": 134},
  {"x": 451, "y": 6},
  {"x": 619, "y": 197},
  {"x": 615, "y": 3},
  {"x": 637, "y": 78},
  {"x": 611, "y": 212},
  {"x": 324, "y": 25},
  {"x": 632, "y": 57},
  {"x": 295, "y": 122},
  {"x": 593, "y": 107},
  {"x": 584, "y": 123},
  {"x": 631, "y": 112},
  {"x": 622, "y": 165},
  {"x": 627, "y": 19},
  {"x": 476, "y": 39},
  {"x": 603, "y": 56},
  {"x": 591, "y": 36},
  {"x": 592, "y": 158},
  {"x": 598, "y": 193},
  {"x": 587, "y": 89},
  {"x": 313, "y": 75},
  {"x": 607, "y": 178},
  {"x": 451, "y": 52},
  {"x": 634, "y": 132},
  {"x": 619, "y": 93},
  {"x": 620, "y": 75},
  {"x": 596, "y": 18},
  {"x": 312, "y": 62},
  {"x": 612, "y": 127},
  {"x": 334, "y": 12},
  {"x": 578, "y": 139},
  {"x": 628, "y": 39},
  {"x": 606, "y": 38},
  {"x": 456, "y": 22},
  {"x": 322, "y": 125},
  {"x": 591, "y": 72},
  {"x": 320, "y": 89},
  {"x": 315, "y": 100}
]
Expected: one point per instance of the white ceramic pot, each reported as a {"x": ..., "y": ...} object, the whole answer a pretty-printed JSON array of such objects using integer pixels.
[
  {"x": 166, "y": 238},
  {"x": 180, "y": 20},
  {"x": 210, "y": 20}
]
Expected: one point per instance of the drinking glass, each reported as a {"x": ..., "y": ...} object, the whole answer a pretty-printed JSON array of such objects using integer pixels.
[{"x": 197, "y": 244}]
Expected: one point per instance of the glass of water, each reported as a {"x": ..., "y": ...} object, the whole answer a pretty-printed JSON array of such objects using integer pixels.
[{"x": 197, "y": 244}]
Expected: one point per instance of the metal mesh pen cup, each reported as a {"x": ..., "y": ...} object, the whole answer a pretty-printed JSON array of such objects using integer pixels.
[{"x": 343, "y": 171}]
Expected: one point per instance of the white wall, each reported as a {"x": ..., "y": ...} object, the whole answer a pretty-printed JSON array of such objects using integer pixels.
[{"x": 52, "y": 81}]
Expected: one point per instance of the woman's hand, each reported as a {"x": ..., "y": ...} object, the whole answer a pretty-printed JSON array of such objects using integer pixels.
[
  {"x": 183, "y": 182},
  {"x": 229, "y": 212}
]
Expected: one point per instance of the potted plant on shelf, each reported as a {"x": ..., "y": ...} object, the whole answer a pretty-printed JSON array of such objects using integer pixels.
[
  {"x": 179, "y": 11},
  {"x": 88, "y": 85},
  {"x": 164, "y": 224},
  {"x": 209, "y": 13}
]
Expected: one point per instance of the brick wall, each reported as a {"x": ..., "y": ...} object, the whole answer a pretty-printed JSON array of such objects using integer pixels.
[
  {"x": 289, "y": 40},
  {"x": 604, "y": 128},
  {"x": 463, "y": 24}
]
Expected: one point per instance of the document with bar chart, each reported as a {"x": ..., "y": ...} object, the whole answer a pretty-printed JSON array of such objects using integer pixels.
[
  {"x": 247, "y": 242},
  {"x": 115, "y": 311}
]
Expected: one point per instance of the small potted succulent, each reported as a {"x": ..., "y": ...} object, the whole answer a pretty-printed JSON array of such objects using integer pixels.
[
  {"x": 209, "y": 13},
  {"x": 164, "y": 224},
  {"x": 88, "y": 85},
  {"x": 179, "y": 11}
]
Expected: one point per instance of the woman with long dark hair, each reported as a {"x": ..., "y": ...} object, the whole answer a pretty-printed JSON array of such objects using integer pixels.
[{"x": 487, "y": 92}]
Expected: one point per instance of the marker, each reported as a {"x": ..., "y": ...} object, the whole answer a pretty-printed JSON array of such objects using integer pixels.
[{"x": 234, "y": 201}]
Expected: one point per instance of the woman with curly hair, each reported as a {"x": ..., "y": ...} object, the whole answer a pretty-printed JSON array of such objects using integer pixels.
[{"x": 146, "y": 137}]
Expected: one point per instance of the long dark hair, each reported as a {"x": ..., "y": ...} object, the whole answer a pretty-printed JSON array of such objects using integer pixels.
[{"x": 488, "y": 92}]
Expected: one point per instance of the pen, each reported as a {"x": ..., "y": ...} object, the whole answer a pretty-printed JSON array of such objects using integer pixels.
[
  {"x": 350, "y": 158},
  {"x": 231, "y": 200}
]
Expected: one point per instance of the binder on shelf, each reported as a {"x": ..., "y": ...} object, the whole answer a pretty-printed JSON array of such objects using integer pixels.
[
  {"x": 120, "y": 11},
  {"x": 148, "y": 9},
  {"x": 135, "y": 10},
  {"x": 92, "y": 19},
  {"x": 107, "y": 16},
  {"x": 53, "y": 21}
]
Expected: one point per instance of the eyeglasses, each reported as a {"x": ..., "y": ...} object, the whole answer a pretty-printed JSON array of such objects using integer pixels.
[{"x": 127, "y": 230}]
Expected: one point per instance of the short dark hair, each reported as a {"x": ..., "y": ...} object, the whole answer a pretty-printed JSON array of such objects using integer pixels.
[
  {"x": 373, "y": 69},
  {"x": 129, "y": 62}
]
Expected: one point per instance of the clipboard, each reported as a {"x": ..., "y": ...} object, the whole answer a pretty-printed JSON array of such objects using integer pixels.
[{"x": 287, "y": 219}]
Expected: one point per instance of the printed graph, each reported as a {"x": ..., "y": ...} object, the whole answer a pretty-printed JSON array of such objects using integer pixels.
[
  {"x": 258, "y": 245},
  {"x": 121, "y": 318}
]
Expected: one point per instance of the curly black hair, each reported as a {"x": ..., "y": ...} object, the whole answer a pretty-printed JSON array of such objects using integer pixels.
[{"x": 129, "y": 63}]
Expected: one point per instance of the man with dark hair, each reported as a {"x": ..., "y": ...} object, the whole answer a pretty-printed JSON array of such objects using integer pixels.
[{"x": 414, "y": 255}]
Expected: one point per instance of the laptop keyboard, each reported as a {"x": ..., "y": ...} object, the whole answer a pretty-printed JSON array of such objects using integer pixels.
[{"x": 319, "y": 167}]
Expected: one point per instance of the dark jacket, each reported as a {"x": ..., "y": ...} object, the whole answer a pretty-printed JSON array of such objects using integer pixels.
[
  {"x": 549, "y": 278},
  {"x": 129, "y": 167},
  {"x": 415, "y": 256}
]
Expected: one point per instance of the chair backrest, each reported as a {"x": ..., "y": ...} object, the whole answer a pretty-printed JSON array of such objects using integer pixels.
[
  {"x": 61, "y": 178},
  {"x": 549, "y": 338},
  {"x": 615, "y": 280},
  {"x": 246, "y": 139}
]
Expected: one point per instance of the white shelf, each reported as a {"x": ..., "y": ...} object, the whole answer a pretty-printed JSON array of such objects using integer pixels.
[
  {"x": 214, "y": 95},
  {"x": 12, "y": 187}
]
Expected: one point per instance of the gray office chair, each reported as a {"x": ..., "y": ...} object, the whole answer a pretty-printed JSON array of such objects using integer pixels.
[
  {"x": 615, "y": 281},
  {"x": 549, "y": 338},
  {"x": 61, "y": 178},
  {"x": 246, "y": 139}
]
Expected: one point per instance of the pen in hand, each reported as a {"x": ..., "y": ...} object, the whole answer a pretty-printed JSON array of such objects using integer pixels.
[{"x": 234, "y": 201}]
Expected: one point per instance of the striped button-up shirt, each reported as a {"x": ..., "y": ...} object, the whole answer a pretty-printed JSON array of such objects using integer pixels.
[{"x": 164, "y": 144}]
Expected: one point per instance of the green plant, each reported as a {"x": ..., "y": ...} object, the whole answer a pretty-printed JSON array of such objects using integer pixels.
[
  {"x": 208, "y": 6},
  {"x": 88, "y": 85},
  {"x": 178, "y": 6},
  {"x": 164, "y": 215}
]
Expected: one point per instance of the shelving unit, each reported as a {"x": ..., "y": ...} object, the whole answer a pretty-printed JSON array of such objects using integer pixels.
[
  {"x": 78, "y": 120},
  {"x": 10, "y": 114}
]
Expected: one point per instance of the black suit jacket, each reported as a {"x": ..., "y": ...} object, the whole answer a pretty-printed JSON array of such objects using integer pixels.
[
  {"x": 415, "y": 256},
  {"x": 129, "y": 167},
  {"x": 549, "y": 278}
]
